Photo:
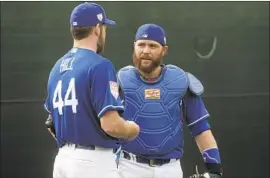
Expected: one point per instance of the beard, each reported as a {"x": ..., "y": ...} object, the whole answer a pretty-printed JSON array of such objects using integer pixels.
[
  {"x": 100, "y": 44},
  {"x": 147, "y": 68}
]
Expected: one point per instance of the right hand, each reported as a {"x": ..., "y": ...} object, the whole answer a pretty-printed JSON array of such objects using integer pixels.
[
  {"x": 134, "y": 130},
  {"x": 50, "y": 126}
]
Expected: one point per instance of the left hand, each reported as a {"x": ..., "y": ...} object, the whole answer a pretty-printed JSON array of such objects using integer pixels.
[{"x": 204, "y": 175}]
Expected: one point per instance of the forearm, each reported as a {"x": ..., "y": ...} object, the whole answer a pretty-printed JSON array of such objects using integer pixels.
[
  {"x": 210, "y": 152},
  {"x": 205, "y": 141},
  {"x": 114, "y": 125},
  {"x": 119, "y": 129}
]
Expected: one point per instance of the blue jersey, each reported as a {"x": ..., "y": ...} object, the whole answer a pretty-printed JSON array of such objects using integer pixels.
[
  {"x": 158, "y": 108},
  {"x": 82, "y": 86}
]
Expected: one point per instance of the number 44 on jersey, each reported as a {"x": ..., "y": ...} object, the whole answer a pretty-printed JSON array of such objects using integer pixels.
[{"x": 70, "y": 97}]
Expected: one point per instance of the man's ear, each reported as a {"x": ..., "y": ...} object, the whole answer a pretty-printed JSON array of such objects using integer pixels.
[
  {"x": 97, "y": 30},
  {"x": 165, "y": 50},
  {"x": 133, "y": 45}
]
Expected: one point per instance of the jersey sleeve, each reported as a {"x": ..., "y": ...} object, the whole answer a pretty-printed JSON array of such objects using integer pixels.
[
  {"x": 121, "y": 93},
  {"x": 47, "y": 105},
  {"x": 104, "y": 91},
  {"x": 194, "y": 109}
]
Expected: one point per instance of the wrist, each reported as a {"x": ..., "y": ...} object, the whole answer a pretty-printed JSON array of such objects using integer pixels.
[
  {"x": 212, "y": 161},
  {"x": 134, "y": 130},
  {"x": 129, "y": 130},
  {"x": 214, "y": 168}
]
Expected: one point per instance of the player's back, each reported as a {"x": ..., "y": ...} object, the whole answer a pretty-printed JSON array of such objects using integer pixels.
[{"x": 70, "y": 102}]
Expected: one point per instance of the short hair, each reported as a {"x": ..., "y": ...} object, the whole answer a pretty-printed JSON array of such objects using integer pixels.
[{"x": 79, "y": 33}]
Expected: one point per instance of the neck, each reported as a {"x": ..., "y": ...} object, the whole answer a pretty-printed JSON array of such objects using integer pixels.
[
  {"x": 154, "y": 74},
  {"x": 85, "y": 44}
]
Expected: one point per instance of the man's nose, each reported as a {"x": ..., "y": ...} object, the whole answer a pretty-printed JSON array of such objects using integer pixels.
[{"x": 146, "y": 50}]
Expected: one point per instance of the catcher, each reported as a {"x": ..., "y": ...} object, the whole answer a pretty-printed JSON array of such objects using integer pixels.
[{"x": 156, "y": 96}]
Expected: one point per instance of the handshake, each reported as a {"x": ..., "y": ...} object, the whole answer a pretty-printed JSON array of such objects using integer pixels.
[
  {"x": 111, "y": 123},
  {"x": 133, "y": 130}
]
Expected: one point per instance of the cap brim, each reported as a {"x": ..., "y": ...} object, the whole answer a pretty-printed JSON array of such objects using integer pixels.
[{"x": 109, "y": 22}]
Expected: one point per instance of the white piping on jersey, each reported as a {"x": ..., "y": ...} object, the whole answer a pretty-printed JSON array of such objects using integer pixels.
[
  {"x": 47, "y": 109},
  {"x": 110, "y": 106},
  {"x": 209, "y": 157},
  {"x": 209, "y": 149},
  {"x": 201, "y": 118}
]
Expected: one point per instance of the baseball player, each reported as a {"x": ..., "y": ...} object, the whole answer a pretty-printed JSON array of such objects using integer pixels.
[
  {"x": 160, "y": 99},
  {"x": 83, "y": 101}
]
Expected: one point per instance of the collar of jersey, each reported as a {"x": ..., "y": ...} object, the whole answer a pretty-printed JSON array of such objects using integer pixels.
[{"x": 153, "y": 80}]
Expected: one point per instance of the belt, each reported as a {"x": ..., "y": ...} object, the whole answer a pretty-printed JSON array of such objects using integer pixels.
[
  {"x": 90, "y": 147},
  {"x": 150, "y": 162}
]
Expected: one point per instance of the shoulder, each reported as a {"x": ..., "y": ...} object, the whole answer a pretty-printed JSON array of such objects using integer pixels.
[
  {"x": 173, "y": 71},
  {"x": 195, "y": 86},
  {"x": 174, "y": 68},
  {"x": 125, "y": 70},
  {"x": 171, "y": 66},
  {"x": 102, "y": 67},
  {"x": 104, "y": 64}
]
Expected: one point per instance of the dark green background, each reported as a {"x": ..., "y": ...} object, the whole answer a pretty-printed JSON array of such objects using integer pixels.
[{"x": 236, "y": 78}]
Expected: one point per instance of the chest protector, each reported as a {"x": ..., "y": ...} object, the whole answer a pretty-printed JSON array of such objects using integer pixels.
[{"x": 155, "y": 107}]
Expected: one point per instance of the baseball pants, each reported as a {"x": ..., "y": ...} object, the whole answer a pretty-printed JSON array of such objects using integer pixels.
[
  {"x": 132, "y": 169},
  {"x": 72, "y": 162}
]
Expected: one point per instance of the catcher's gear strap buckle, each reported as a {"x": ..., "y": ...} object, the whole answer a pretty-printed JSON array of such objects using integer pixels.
[{"x": 194, "y": 84}]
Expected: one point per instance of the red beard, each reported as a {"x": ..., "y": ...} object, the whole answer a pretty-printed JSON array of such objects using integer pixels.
[{"x": 137, "y": 61}]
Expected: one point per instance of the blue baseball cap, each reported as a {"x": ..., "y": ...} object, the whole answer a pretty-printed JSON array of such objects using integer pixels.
[
  {"x": 151, "y": 32},
  {"x": 89, "y": 14}
]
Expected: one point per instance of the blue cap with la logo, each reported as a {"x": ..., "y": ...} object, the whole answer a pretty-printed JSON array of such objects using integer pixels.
[
  {"x": 89, "y": 14},
  {"x": 151, "y": 32}
]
